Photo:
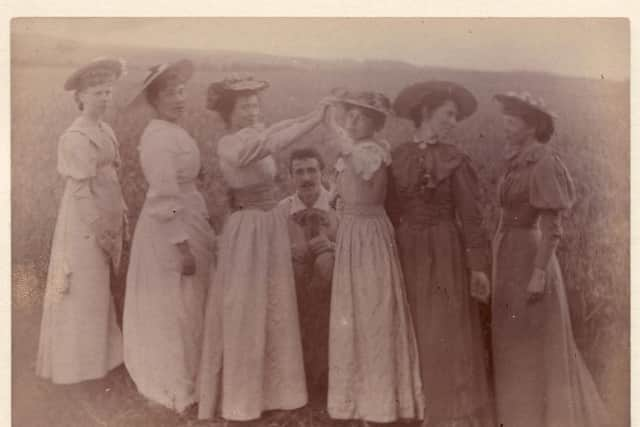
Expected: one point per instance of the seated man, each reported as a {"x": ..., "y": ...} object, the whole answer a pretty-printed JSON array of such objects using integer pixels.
[{"x": 312, "y": 230}]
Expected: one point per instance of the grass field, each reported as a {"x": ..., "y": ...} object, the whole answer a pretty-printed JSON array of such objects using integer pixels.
[{"x": 592, "y": 138}]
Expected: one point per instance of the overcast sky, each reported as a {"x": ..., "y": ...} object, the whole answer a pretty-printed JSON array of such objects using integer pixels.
[{"x": 579, "y": 47}]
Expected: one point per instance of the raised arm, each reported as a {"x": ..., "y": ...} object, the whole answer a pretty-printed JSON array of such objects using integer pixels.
[
  {"x": 283, "y": 124},
  {"x": 365, "y": 157},
  {"x": 249, "y": 145}
]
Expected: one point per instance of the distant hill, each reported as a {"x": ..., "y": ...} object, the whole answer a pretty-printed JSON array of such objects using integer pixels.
[{"x": 38, "y": 49}]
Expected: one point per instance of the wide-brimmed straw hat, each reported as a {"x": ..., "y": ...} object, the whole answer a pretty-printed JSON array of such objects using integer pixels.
[
  {"x": 98, "y": 67},
  {"x": 337, "y": 94},
  {"x": 524, "y": 100},
  {"x": 524, "y": 104},
  {"x": 233, "y": 84},
  {"x": 375, "y": 101},
  {"x": 183, "y": 69},
  {"x": 414, "y": 95}
]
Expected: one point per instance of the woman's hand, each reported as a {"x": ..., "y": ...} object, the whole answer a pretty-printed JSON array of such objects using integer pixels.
[
  {"x": 537, "y": 285},
  {"x": 331, "y": 123},
  {"x": 188, "y": 260},
  {"x": 480, "y": 286},
  {"x": 329, "y": 116}
]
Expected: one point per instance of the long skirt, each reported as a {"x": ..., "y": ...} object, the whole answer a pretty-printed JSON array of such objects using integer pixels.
[
  {"x": 541, "y": 379},
  {"x": 373, "y": 360},
  {"x": 164, "y": 310},
  {"x": 79, "y": 337},
  {"x": 453, "y": 359},
  {"x": 252, "y": 354}
]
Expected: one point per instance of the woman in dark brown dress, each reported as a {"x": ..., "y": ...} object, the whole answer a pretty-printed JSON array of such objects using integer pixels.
[
  {"x": 434, "y": 185},
  {"x": 540, "y": 377}
]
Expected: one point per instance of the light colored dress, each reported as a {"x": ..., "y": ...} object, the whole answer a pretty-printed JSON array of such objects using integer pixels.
[
  {"x": 373, "y": 360},
  {"x": 163, "y": 309},
  {"x": 541, "y": 379},
  {"x": 79, "y": 337},
  {"x": 252, "y": 354}
]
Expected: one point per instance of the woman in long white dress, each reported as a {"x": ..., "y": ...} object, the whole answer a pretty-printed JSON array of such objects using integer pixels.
[
  {"x": 171, "y": 253},
  {"x": 373, "y": 360},
  {"x": 252, "y": 354},
  {"x": 79, "y": 337}
]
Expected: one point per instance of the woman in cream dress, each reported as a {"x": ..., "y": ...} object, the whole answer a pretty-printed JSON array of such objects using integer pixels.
[
  {"x": 252, "y": 353},
  {"x": 171, "y": 253},
  {"x": 79, "y": 338},
  {"x": 373, "y": 359}
]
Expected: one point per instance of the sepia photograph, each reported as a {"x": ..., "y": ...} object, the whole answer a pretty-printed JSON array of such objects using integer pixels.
[{"x": 297, "y": 222}]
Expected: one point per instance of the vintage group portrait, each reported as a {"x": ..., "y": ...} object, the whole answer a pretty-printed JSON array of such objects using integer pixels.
[{"x": 320, "y": 222}]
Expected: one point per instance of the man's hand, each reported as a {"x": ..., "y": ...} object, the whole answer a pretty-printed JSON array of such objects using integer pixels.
[{"x": 321, "y": 244}]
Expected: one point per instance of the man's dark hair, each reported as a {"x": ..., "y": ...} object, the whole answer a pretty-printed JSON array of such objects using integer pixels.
[{"x": 305, "y": 153}]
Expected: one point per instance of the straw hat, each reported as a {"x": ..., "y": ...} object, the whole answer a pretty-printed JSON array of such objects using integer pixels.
[
  {"x": 370, "y": 100},
  {"x": 105, "y": 68},
  {"x": 524, "y": 100},
  {"x": 184, "y": 70},
  {"x": 523, "y": 104},
  {"x": 233, "y": 84},
  {"x": 415, "y": 94}
]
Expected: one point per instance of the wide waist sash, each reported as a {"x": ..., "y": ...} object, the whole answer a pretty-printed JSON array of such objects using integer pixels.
[
  {"x": 259, "y": 196},
  {"x": 363, "y": 210}
]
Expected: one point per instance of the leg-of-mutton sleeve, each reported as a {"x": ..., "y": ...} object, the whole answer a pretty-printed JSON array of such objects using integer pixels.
[
  {"x": 466, "y": 194},
  {"x": 254, "y": 143},
  {"x": 244, "y": 147},
  {"x": 551, "y": 190},
  {"x": 158, "y": 158},
  {"x": 78, "y": 162}
]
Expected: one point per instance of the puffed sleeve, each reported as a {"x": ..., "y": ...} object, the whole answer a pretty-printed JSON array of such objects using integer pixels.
[
  {"x": 78, "y": 162},
  {"x": 551, "y": 191},
  {"x": 366, "y": 158},
  {"x": 77, "y": 156},
  {"x": 164, "y": 202},
  {"x": 466, "y": 194},
  {"x": 551, "y": 186}
]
